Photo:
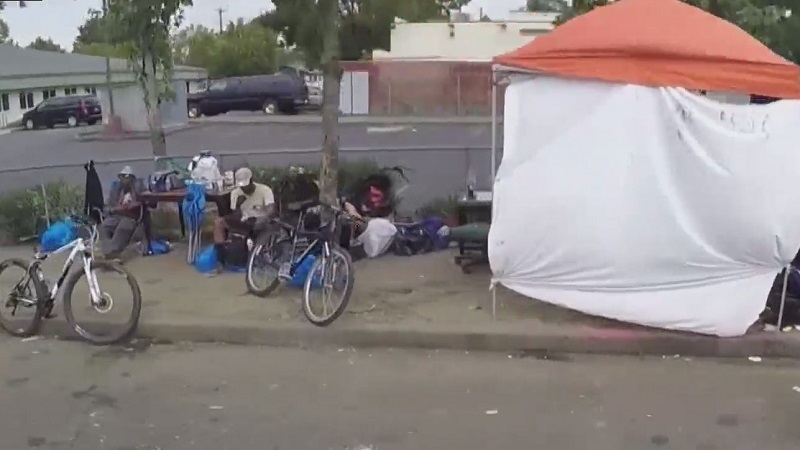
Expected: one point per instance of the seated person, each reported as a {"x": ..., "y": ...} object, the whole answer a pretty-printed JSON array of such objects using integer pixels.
[
  {"x": 249, "y": 201},
  {"x": 374, "y": 233},
  {"x": 123, "y": 211}
]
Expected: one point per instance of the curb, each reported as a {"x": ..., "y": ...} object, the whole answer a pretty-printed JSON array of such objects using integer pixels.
[
  {"x": 93, "y": 136},
  {"x": 350, "y": 120},
  {"x": 555, "y": 340}
]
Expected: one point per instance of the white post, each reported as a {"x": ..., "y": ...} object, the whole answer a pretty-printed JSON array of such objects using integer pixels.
[
  {"x": 494, "y": 128},
  {"x": 783, "y": 295}
]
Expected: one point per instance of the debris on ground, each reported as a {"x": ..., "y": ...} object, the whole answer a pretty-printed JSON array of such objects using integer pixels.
[{"x": 754, "y": 359}]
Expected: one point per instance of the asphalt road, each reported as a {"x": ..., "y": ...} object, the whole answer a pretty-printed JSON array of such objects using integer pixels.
[
  {"x": 20, "y": 150},
  {"x": 68, "y": 395}
]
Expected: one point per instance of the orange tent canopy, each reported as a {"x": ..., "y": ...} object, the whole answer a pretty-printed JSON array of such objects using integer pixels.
[{"x": 659, "y": 43}]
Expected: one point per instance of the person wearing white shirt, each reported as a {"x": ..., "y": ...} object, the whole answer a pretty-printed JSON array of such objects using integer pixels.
[{"x": 249, "y": 201}]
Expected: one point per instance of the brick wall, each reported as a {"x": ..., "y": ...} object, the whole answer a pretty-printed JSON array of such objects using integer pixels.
[{"x": 428, "y": 88}]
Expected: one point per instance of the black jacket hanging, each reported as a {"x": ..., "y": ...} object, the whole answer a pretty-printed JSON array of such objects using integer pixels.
[{"x": 94, "y": 201}]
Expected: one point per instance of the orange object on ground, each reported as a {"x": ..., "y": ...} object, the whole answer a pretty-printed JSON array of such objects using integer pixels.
[{"x": 658, "y": 43}]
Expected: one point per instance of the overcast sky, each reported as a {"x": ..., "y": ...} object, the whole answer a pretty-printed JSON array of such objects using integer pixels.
[{"x": 59, "y": 19}]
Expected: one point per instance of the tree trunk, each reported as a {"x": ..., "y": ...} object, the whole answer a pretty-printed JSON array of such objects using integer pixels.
[
  {"x": 332, "y": 78},
  {"x": 157, "y": 137}
]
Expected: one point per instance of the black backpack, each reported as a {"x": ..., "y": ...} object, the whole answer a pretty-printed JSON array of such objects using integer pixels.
[{"x": 233, "y": 253}]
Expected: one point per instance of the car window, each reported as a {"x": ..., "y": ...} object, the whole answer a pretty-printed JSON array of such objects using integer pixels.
[
  {"x": 217, "y": 86},
  {"x": 49, "y": 103}
]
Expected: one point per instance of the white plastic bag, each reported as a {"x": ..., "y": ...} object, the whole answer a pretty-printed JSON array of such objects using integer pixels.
[
  {"x": 205, "y": 171},
  {"x": 378, "y": 236}
]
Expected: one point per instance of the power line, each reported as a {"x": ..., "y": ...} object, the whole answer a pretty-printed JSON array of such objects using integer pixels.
[{"x": 220, "y": 11}]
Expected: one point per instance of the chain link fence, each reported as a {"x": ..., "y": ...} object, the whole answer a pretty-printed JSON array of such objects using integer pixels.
[{"x": 434, "y": 172}]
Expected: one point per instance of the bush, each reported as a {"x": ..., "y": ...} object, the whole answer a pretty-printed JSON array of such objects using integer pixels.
[
  {"x": 441, "y": 207},
  {"x": 349, "y": 173},
  {"x": 284, "y": 178},
  {"x": 24, "y": 212}
]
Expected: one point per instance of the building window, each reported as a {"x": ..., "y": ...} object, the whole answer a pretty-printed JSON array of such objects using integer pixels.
[
  {"x": 90, "y": 90},
  {"x": 26, "y": 100},
  {"x": 5, "y": 105},
  {"x": 70, "y": 91},
  {"x": 48, "y": 93}
]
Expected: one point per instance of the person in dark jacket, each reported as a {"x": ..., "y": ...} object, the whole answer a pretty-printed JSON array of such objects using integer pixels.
[
  {"x": 123, "y": 211},
  {"x": 94, "y": 202}
]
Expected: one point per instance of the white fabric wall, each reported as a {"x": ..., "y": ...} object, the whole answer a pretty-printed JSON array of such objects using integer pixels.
[{"x": 648, "y": 205}]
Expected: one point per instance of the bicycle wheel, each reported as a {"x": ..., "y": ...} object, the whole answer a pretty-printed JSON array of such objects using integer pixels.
[
  {"x": 110, "y": 334},
  {"x": 325, "y": 276},
  {"x": 26, "y": 300},
  {"x": 263, "y": 265}
]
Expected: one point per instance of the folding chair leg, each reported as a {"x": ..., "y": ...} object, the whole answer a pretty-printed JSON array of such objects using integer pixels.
[{"x": 190, "y": 253}]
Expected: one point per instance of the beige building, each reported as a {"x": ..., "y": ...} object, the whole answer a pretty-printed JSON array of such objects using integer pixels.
[{"x": 463, "y": 39}]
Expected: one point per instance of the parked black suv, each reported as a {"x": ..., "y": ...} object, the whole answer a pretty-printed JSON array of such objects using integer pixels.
[
  {"x": 71, "y": 110},
  {"x": 269, "y": 93}
]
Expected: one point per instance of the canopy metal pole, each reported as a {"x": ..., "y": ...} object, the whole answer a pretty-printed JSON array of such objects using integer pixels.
[
  {"x": 783, "y": 296},
  {"x": 494, "y": 167},
  {"x": 494, "y": 128}
]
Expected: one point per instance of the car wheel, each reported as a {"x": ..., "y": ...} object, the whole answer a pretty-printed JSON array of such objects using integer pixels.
[
  {"x": 270, "y": 107},
  {"x": 29, "y": 124},
  {"x": 72, "y": 121},
  {"x": 194, "y": 113}
]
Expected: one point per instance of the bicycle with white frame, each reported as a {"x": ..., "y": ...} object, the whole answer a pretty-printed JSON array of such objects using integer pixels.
[{"x": 31, "y": 292}]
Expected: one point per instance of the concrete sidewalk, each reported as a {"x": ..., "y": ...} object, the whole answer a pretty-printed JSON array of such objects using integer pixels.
[{"x": 419, "y": 302}]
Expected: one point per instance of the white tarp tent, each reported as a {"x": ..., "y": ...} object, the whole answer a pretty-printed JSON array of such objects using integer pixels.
[{"x": 651, "y": 205}]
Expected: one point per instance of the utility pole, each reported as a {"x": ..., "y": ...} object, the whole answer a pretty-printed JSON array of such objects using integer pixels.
[
  {"x": 220, "y": 11},
  {"x": 107, "y": 33}
]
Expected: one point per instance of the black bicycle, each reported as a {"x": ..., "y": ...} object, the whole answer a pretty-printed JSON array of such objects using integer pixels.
[
  {"x": 285, "y": 249},
  {"x": 32, "y": 294}
]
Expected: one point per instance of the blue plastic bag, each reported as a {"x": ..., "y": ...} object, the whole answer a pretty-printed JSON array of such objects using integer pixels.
[
  {"x": 206, "y": 260},
  {"x": 159, "y": 247},
  {"x": 58, "y": 235},
  {"x": 432, "y": 225},
  {"x": 302, "y": 272}
]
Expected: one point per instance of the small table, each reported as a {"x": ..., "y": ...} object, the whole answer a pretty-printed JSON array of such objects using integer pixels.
[{"x": 222, "y": 198}]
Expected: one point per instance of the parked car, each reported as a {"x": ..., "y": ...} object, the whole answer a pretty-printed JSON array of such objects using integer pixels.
[
  {"x": 315, "y": 94},
  {"x": 71, "y": 110},
  {"x": 271, "y": 94}
]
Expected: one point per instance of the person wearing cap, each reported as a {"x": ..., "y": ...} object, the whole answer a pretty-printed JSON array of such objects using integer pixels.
[
  {"x": 123, "y": 210},
  {"x": 249, "y": 200}
]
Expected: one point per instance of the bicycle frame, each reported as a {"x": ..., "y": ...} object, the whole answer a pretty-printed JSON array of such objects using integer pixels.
[
  {"x": 75, "y": 248},
  {"x": 312, "y": 246}
]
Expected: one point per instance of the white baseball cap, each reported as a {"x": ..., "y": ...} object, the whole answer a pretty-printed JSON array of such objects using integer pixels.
[{"x": 243, "y": 177}]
